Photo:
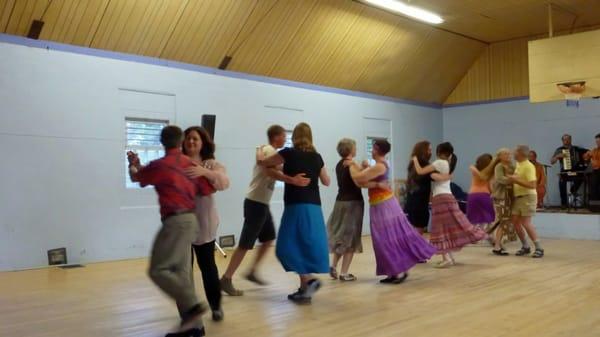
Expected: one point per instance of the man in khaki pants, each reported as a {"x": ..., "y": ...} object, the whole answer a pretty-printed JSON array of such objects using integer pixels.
[
  {"x": 170, "y": 263},
  {"x": 524, "y": 206}
]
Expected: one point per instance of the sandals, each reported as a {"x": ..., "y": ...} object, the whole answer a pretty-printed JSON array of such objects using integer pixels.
[
  {"x": 443, "y": 264},
  {"x": 524, "y": 251},
  {"x": 333, "y": 273},
  {"x": 539, "y": 253},
  {"x": 347, "y": 278},
  {"x": 500, "y": 252}
]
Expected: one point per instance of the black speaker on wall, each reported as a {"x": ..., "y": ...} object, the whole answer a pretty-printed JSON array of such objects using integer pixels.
[
  {"x": 208, "y": 122},
  {"x": 35, "y": 29}
]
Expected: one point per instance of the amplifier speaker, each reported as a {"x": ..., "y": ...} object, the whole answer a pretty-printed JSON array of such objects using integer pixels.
[{"x": 208, "y": 122}]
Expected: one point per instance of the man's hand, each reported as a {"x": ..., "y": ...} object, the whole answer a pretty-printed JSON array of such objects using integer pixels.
[
  {"x": 299, "y": 180},
  {"x": 196, "y": 171}
]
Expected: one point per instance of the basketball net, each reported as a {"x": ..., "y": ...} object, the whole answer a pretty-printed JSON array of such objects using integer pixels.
[{"x": 573, "y": 91}]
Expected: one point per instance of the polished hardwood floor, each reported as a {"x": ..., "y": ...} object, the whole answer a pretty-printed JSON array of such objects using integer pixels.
[{"x": 483, "y": 295}]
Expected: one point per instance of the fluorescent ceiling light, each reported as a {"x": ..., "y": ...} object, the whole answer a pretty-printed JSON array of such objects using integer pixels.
[{"x": 408, "y": 10}]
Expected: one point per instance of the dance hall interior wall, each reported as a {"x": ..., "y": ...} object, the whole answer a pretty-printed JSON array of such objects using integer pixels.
[
  {"x": 479, "y": 128},
  {"x": 62, "y": 135}
]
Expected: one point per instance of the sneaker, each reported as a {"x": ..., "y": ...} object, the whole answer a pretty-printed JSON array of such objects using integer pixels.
[
  {"x": 312, "y": 287},
  {"x": 299, "y": 297},
  {"x": 218, "y": 315},
  {"x": 228, "y": 288},
  {"x": 255, "y": 279}
]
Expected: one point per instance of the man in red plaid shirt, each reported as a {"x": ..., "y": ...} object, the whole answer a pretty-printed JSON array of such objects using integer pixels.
[{"x": 170, "y": 266}]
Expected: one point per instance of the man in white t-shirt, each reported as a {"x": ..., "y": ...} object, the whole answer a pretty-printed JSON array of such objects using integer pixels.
[{"x": 258, "y": 222}]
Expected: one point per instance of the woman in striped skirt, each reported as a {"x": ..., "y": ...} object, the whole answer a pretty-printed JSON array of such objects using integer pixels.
[{"x": 450, "y": 228}]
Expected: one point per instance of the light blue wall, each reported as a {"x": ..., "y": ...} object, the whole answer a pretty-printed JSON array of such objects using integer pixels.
[
  {"x": 476, "y": 129},
  {"x": 63, "y": 139}
]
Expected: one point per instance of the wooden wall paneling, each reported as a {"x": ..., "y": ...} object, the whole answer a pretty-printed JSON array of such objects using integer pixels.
[
  {"x": 6, "y": 10},
  {"x": 207, "y": 30},
  {"x": 317, "y": 40},
  {"x": 94, "y": 17},
  {"x": 23, "y": 13},
  {"x": 386, "y": 66},
  {"x": 436, "y": 67},
  {"x": 258, "y": 52},
  {"x": 115, "y": 24},
  {"x": 508, "y": 69},
  {"x": 366, "y": 36},
  {"x": 475, "y": 85}
]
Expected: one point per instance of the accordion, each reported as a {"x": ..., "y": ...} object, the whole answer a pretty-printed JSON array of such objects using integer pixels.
[{"x": 566, "y": 161}]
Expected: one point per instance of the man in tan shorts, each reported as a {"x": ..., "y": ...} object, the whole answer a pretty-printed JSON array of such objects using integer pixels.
[{"x": 523, "y": 209}]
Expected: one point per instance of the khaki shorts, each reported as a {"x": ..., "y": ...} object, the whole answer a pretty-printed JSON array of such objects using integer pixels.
[{"x": 524, "y": 205}]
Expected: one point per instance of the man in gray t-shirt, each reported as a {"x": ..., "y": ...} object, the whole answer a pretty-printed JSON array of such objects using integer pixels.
[{"x": 258, "y": 222}]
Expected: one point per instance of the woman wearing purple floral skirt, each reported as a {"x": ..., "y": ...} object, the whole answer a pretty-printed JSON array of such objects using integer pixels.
[{"x": 397, "y": 245}]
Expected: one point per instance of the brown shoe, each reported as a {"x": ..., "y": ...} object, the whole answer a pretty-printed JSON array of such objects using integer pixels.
[{"x": 228, "y": 288}]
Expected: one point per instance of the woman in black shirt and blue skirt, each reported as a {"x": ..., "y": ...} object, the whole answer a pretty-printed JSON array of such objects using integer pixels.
[{"x": 302, "y": 240}]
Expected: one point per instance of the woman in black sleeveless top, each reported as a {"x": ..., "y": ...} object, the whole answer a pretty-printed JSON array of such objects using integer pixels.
[
  {"x": 418, "y": 188},
  {"x": 345, "y": 222}
]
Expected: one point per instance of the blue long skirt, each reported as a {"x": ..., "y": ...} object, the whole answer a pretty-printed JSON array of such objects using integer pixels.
[{"x": 302, "y": 240}]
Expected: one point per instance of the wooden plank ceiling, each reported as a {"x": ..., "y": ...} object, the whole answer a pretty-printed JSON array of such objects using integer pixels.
[{"x": 337, "y": 43}]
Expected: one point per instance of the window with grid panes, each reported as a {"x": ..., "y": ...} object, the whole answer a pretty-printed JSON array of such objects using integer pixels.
[
  {"x": 288, "y": 143},
  {"x": 370, "y": 141},
  {"x": 143, "y": 138}
]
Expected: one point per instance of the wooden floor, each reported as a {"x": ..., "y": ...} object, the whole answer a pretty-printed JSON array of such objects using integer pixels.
[{"x": 482, "y": 296}]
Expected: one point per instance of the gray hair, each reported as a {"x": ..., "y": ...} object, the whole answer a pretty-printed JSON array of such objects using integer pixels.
[
  {"x": 345, "y": 147},
  {"x": 523, "y": 149},
  {"x": 502, "y": 150}
]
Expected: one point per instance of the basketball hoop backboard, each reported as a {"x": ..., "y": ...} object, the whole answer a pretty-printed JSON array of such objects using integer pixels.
[{"x": 568, "y": 63}]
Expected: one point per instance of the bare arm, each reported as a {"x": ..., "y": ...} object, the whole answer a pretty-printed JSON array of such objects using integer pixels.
[
  {"x": 362, "y": 177},
  {"x": 422, "y": 170},
  {"x": 475, "y": 172},
  {"x": 324, "y": 176},
  {"x": 277, "y": 174}
]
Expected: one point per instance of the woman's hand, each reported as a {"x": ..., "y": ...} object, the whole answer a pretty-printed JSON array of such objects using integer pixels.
[
  {"x": 385, "y": 185},
  {"x": 196, "y": 171},
  {"x": 365, "y": 164},
  {"x": 260, "y": 155},
  {"x": 133, "y": 158}
]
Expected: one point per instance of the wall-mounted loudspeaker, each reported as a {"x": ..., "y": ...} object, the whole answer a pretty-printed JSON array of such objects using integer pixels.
[
  {"x": 35, "y": 29},
  {"x": 208, "y": 122}
]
